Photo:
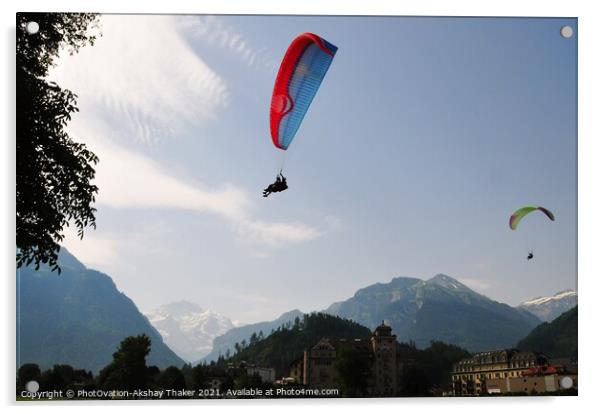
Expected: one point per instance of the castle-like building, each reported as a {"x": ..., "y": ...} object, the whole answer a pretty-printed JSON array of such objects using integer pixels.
[{"x": 379, "y": 355}]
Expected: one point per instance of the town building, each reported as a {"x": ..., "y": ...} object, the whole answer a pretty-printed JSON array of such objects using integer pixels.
[
  {"x": 378, "y": 354},
  {"x": 504, "y": 371},
  {"x": 296, "y": 371},
  {"x": 535, "y": 380},
  {"x": 384, "y": 347},
  {"x": 267, "y": 375}
]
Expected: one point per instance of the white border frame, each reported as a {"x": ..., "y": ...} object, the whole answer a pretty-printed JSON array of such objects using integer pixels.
[{"x": 590, "y": 206}]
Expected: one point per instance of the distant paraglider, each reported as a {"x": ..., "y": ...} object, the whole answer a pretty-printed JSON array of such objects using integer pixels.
[
  {"x": 518, "y": 215},
  {"x": 301, "y": 72}
]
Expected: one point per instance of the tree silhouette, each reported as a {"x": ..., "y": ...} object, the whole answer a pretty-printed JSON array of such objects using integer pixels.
[
  {"x": 26, "y": 373},
  {"x": 171, "y": 378},
  {"x": 54, "y": 173},
  {"x": 128, "y": 369},
  {"x": 413, "y": 382},
  {"x": 64, "y": 377},
  {"x": 199, "y": 376},
  {"x": 354, "y": 369}
]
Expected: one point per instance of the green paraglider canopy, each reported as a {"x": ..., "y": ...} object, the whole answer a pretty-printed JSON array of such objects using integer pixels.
[{"x": 517, "y": 216}]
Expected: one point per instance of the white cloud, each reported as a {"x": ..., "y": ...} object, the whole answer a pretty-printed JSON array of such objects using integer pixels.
[
  {"x": 213, "y": 31},
  {"x": 143, "y": 71},
  {"x": 130, "y": 180},
  {"x": 142, "y": 79},
  {"x": 273, "y": 234}
]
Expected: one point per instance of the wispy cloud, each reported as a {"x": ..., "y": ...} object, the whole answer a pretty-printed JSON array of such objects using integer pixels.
[
  {"x": 143, "y": 74},
  {"x": 273, "y": 234},
  {"x": 141, "y": 79},
  {"x": 213, "y": 31},
  {"x": 130, "y": 180}
]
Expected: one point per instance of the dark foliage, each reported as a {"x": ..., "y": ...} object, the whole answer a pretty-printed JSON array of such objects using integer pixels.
[
  {"x": 171, "y": 378},
  {"x": 413, "y": 382},
  {"x": 248, "y": 381},
  {"x": 54, "y": 173},
  {"x": 437, "y": 362},
  {"x": 354, "y": 370},
  {"x": 287, "y": 343},
  {"x": 556, "y": 339},
  {"x": 26, "y": 373},
  {"x": 128, "y": 371},
  {"x": 65, "y": 377},
  {"x": 420, "y": 371},
  {"x": 426, "y": 369}
]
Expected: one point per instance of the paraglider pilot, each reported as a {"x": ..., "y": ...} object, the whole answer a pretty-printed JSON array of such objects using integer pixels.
[
  {"x": 277, "y": 186},
  {"x": 530, "y": 256}
]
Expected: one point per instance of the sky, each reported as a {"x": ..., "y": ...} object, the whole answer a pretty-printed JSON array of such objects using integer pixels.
[{"x": 427, "y": 133}]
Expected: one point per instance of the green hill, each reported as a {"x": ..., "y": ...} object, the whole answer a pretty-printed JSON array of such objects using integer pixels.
[
  {"x": 224, "y": 344},
  {"x": 555, "y": 339},
  {"x": 286, "y": 344}
]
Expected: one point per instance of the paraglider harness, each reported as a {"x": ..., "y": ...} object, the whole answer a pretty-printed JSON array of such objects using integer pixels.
[{"x": 277, "y": 186}]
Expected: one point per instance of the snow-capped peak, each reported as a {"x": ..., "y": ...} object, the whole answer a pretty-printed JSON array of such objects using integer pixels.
[
  {"x": 541, "y": 300},
  {"x": 188, "y": 329},
  {"x": 550, "y": 307},
  {"x": 446, "y": 281}
]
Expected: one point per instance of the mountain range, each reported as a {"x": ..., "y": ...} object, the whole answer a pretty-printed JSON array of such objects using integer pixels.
[
  {"x": 188, "y": 329},
  {"x": 440, "y": 308},
  {"x": 550, "y": 307},
  {"x": 79, "y": 318}
]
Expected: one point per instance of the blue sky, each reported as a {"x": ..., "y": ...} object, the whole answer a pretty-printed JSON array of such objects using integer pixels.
[{"x": 425, "y": 136}]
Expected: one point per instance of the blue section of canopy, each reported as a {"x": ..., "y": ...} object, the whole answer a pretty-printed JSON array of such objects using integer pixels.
[{"x": 303, "y": 84}]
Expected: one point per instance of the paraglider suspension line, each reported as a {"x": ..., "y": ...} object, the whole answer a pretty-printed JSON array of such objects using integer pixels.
[{"x": 283, "y": 159}]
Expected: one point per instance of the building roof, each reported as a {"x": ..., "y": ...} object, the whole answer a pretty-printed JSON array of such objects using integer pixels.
[
  {"x": 509, "y": 356},
  {"x": 362, "y": 345},
  {"x": 383, "y": 330},
  {"x": 544, "y": 370},
  {"x": 323, "y": 344}
]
